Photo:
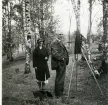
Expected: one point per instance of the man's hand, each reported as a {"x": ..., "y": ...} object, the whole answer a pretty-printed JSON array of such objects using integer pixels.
[
  {"x": 46, "y": 58},
  {"x": 63, "y": 59}
]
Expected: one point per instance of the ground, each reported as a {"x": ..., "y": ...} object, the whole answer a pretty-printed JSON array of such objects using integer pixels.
[{"x": 17, "y": 87}]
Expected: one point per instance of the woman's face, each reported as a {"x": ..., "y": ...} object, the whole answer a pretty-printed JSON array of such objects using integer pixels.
[{"x": 40, "y": 43}]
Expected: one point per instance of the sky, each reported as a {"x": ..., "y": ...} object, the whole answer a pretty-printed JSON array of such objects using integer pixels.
[{"x": 63, "y": 10}]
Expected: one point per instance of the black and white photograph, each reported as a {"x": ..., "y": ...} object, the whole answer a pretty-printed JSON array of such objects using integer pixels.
[{"x": 54, "y": 52}]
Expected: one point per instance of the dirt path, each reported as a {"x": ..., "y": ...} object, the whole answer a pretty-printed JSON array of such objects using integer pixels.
[{"x": 18, "y": 87}]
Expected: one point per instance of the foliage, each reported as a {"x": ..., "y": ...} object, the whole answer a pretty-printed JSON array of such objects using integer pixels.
[
  {"x": 43, "y": 15},
  {"x": 16, "y": 28}
]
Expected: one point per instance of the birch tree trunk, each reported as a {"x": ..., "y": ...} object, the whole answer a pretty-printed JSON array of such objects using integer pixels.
[
  {"x": 105, "y": 21},
  {"x": 42, "y": 20},
  {"x": 77, "y": 13},
  {"x": 4, "y": 26},
  {"x": 9, "y": 40},
  {"x": 78, "y": 38},
  {"x": 90, "y": 23},
  {"x": 27, "y": 33},
  {"x": 89, "y": 28},
  {"x": 69, "y": 32}
]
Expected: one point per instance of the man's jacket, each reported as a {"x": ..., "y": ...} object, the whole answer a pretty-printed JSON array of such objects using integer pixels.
[{"x": 58, "y": 54}]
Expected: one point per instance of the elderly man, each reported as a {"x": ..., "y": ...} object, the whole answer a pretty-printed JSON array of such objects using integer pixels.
[{"x": 59, "y": 60}]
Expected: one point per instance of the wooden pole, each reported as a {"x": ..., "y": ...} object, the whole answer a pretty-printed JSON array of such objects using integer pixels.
[
  {"x": 92, "y": 73},
  {"x": 70, "y": 79}
]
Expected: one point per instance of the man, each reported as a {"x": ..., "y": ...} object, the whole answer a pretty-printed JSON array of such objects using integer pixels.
[
  {"x": 59, "y": 60},
  {"x": 104, "y": 65}
]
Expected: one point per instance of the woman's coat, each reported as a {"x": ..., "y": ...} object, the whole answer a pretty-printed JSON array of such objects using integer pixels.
[{"x": 42, "y": 71}]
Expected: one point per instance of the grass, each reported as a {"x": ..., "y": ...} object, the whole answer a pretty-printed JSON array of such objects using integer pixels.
[{"x": 17, "y": 87}]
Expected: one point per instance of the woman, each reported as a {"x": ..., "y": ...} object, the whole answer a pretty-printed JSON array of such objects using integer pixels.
[{"x": 40, "y": 58}]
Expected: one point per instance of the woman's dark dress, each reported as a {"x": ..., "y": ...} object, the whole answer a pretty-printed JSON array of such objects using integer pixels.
[{"x": 42, "y": 72}]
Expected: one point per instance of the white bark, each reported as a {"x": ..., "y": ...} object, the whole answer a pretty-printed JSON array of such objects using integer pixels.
[
  {"x": 77, "y": 13},
  {"x": 27, "y": 32},
  {"x": 105, "y": 20}
]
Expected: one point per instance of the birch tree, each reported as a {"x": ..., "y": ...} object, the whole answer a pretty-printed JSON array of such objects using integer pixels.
[
  {"x": 90, "y": 21},
  {"x": 27, "y": 33},
  {"x": 42, "y": 18},
  {"x": 77, "y": 13},
  {"x": 105, "y": 21},
  {"x": 8, "y": 6}
]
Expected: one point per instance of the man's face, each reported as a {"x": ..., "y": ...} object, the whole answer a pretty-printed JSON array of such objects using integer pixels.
[{"x": 60, "y": 36}]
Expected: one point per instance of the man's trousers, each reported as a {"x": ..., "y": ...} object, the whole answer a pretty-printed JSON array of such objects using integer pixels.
[{"x": 60, "y": 78}]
